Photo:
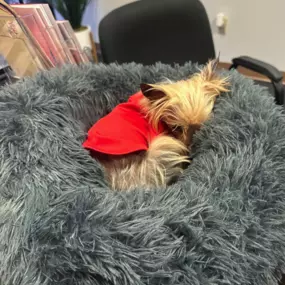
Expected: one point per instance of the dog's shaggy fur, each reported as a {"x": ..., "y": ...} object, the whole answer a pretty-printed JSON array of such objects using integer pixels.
[
  {"x": 183, "y": 106},
  {"x": 221, "y": 223}
]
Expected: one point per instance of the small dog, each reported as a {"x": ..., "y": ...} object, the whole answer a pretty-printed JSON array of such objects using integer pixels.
[{"x": 161, "y": 120}]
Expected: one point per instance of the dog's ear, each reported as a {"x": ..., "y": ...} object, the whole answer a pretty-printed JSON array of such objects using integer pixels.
[
  {"x": 145, "y": 88},
  {"x": 151, "y": 93}
]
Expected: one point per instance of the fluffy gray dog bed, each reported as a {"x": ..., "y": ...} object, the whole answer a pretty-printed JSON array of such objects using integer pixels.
[{"x": 222, "y": 223}]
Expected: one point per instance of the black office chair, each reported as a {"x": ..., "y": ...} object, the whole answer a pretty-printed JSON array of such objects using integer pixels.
[{"x": 169, "y": 31}]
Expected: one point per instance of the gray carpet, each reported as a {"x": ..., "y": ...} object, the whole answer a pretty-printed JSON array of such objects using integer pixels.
[{"x": 222, "y": 223}]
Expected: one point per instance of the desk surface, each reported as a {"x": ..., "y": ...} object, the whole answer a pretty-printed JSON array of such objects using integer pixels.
[{"x": 248, "y": 73}]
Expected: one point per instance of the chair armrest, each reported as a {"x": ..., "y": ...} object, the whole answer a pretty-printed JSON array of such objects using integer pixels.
[
  {"x": 258, "y": 66},
  {"x": 265, "y": 69}
]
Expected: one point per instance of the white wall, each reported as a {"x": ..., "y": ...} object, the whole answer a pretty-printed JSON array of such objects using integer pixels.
[
  {"x": 96, "y": 10},
  {"x": 255, "y": 28},
  {"x": 90, "y": 18},
  {"x": 106, "y": 6}
]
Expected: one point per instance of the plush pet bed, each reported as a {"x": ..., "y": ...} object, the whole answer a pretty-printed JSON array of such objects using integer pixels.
[{"x": 221, "y": 223}]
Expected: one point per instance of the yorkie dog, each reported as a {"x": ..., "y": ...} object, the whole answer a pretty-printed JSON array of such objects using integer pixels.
[{"x": 146, "y": 141}]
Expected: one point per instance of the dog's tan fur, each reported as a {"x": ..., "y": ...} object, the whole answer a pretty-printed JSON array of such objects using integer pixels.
[{"x": 183, "y": 106}]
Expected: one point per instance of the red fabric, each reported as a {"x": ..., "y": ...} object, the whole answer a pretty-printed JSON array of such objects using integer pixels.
[{"x": 124, "y": 130}]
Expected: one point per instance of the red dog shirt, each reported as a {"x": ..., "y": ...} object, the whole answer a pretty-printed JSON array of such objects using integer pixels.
[{"x": 124, "y": 130}]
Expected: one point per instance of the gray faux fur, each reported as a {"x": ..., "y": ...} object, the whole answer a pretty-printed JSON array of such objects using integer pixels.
[{"x": 222, "y": 223}]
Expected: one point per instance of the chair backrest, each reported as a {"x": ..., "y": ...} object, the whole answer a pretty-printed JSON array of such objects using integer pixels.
[{"x": 147, "y": 31}]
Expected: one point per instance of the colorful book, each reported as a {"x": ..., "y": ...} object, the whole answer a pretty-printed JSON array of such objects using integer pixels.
[
  {"x": 42, "y": 35},
  {"x": 17, "y": 45},
  {"x": 32, "y": 40},
  {"x": 54, "y": 24},
  {"x": 58, "y": 50},
  {"x": 72, "y": 42}
]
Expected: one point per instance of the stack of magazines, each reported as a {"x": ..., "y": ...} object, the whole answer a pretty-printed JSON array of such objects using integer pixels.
[{"x": 32, "y": 40}]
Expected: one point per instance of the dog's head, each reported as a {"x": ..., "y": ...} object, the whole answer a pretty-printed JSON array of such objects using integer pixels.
[{"x": 184, "y": 105}]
